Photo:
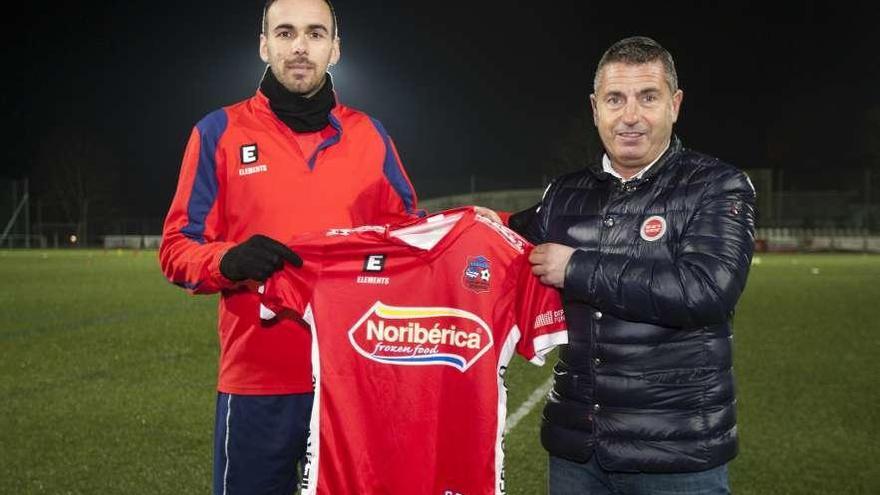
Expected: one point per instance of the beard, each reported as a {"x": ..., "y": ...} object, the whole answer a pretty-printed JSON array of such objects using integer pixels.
[{"x": 299, "y": 76}]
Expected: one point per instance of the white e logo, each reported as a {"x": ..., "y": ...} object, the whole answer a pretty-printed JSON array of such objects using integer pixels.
[
  {"x": 374, "y": 263},
  {"x": 249, "y": 153}
]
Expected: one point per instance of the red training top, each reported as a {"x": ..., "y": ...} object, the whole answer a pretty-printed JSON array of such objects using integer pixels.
[{"x": 244, "y": 173}]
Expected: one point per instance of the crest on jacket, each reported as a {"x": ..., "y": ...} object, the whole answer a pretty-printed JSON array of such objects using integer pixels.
[{"x": 653, "y": 228}]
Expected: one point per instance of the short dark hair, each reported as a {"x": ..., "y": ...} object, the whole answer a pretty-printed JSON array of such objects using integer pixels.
[
  {"x": 638, "y": 50},
  {"x": 332, "y": 14}
]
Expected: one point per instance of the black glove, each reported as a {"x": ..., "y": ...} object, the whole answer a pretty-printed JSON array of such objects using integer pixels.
[{"x": 256, "y": 259}]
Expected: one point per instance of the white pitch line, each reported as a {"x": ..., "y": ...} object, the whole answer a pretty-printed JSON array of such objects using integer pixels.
[{"x": 526, "y": 407}]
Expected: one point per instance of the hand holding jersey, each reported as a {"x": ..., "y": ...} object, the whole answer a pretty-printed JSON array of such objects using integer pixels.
[
  {"x": 256, "y": 259},
  {"x": 549, "y": 261},
  {"x": 489, "y": 213}
]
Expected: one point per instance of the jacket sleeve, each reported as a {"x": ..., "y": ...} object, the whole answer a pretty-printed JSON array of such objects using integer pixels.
[
  {"x": 526, "y": 224},
  {"x": 192, "y": 237},
  {"x": 399, "y": 201},
  {"x": 699, "y": 287},
  {"x": 532, "y": 222}
]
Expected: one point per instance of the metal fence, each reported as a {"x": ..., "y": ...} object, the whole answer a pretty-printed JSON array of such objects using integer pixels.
[
  {"x": 817, "y": 240},
  {"x": 808, "y": 221}
]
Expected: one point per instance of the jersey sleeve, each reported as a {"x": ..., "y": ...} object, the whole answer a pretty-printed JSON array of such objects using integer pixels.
[
  {"x": 193, "y": 237},
  {"x": 539, "y": 315},
  {"x": 288, "y": 291}
]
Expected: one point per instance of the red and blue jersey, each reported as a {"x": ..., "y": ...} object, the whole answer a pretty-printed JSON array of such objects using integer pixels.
[
  {"x": 413, "y": 328},
  {"x": 244, "y": 173}
]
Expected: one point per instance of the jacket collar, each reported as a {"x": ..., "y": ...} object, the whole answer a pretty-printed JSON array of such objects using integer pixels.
[{"x": 664, "y": 161}]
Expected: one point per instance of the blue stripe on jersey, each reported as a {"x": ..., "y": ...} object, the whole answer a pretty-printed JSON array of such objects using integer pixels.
[
  {"x": 188, "y": 285},
  {"x": 459, "y": 362},
  {"x": 204, "y": 189},
  {"x": 330, "y": 141},
  {"x": 394, "y": 171}
]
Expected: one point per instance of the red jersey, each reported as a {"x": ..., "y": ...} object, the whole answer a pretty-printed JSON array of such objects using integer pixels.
[
  {"x": 244, "y": 173},
  {"x": 413, "y": 327}
]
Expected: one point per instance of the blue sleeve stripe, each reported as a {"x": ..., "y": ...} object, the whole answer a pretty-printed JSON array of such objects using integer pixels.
[
  {"x": 188, "y": 285},
  {"x": 394, "y": 171},
  {"x": 332, "y": 140},
  {"x": 204, "y": 189}
]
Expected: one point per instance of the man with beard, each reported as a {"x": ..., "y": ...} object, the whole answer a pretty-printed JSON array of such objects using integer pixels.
[{"x": 288, "y": 160}]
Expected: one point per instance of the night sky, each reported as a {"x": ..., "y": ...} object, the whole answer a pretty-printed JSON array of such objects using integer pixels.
[{"x": 465, "y": 88}]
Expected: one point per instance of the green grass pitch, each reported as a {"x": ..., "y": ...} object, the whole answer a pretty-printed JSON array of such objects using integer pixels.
[{"x": 107, "y": 377}]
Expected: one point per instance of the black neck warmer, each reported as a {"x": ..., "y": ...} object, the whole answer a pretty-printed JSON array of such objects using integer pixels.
[{"x": 301, "y": 114}]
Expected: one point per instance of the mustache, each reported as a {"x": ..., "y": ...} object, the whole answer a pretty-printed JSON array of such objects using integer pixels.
[{"x": 299, "y": 61}]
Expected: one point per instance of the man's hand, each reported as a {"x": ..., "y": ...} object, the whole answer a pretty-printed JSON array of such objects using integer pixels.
[
  {"x": 256, "y": 259},
  {"x": 490, "y": 214},
  {"x": 549, "y": 262}
]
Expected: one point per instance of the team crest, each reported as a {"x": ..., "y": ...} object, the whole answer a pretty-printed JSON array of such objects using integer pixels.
[
  {"x": 653, "y": 228},
  {"x": 477, "y": 274}
]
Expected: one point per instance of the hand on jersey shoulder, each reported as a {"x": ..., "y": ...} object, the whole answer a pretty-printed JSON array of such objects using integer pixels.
[
  {"x": 490, "y": 214},
  {"x": 256, "y": 259}
]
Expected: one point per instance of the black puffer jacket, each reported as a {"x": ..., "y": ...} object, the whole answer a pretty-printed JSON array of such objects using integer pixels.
[{"x": 646, "y": 381}]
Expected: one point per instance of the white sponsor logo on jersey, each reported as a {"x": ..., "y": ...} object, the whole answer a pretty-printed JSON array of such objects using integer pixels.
[
  {"x": 512, "y": 238},
  {"x": 549, "y": 318},
  {"x": 346, "y": 232},
  {"x": 249, "y": 153},
  {"x": 258, "y": 169},
  {"x": 366, "y": 279},
  {"x": 421, "y": 336},
  {"x": 374, "y": 263}
]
